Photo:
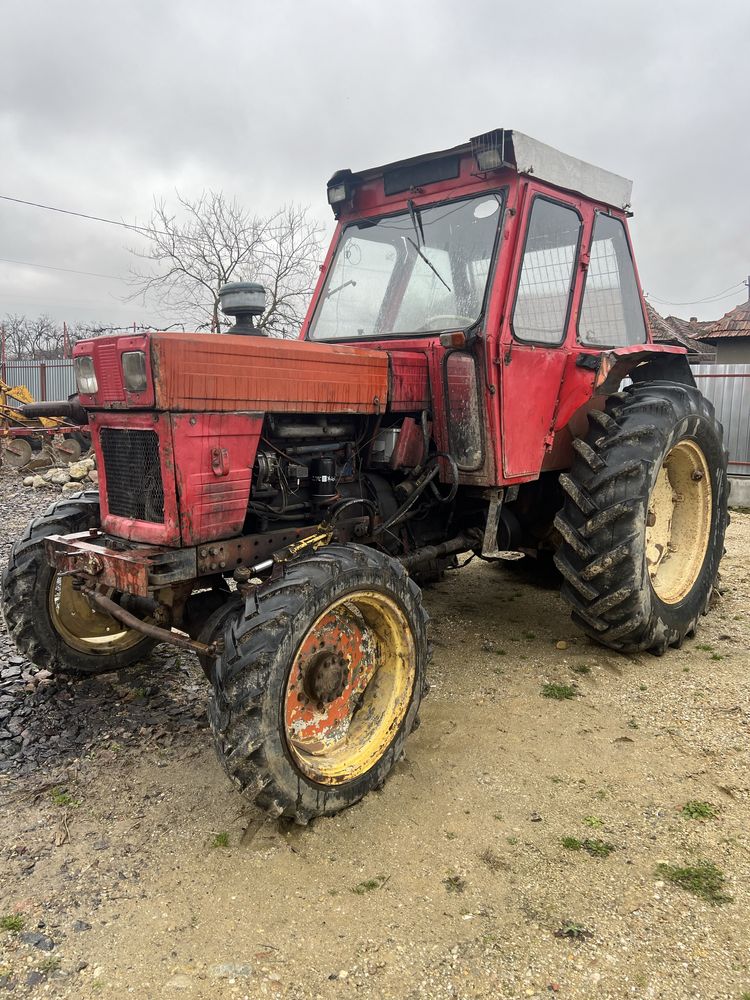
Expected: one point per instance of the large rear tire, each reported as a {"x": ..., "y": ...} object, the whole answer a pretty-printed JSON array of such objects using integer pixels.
[
  {"x": 50, "y": 622},
  {"x": 644, "y": 518},
  {"x": 320, "y": 681}
]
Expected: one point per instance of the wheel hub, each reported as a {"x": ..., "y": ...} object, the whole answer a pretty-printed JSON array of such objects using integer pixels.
[{"x": 325, "y": 676}]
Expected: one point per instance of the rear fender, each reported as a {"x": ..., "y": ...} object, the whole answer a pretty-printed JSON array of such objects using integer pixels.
[{"x": 641, "y": 363}]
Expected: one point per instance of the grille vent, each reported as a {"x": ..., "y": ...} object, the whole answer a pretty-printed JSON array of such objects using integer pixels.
[{"x": 133, "y": 472}]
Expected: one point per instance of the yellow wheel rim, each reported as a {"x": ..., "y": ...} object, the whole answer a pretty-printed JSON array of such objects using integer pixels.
[
  {"x": 678, "y": 523},
  {"x": 84, "y": 626},
  {"x": 349, "y": 687}
]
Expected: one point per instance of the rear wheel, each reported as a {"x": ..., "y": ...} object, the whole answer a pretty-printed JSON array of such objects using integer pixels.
[
  {"x": 320, "y": 681},
  {"x": 53, "y": 624},
  {"x": 644, "y": 517}
]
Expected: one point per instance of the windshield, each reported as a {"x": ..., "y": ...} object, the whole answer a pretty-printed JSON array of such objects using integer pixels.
[{"x": 422, "y": 271}]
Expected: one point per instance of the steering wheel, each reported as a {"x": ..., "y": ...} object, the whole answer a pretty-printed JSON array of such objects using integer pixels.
[{"x": 443, "y": 321}]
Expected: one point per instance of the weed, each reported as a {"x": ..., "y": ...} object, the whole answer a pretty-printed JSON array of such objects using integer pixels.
[
  {"x": 369, "y": 885},
  {"x": 221, "y": 839},
  {"x": 512, "y": 841},
  {"x": 501, "y": 652},
  {"x": 632, "y": 724},
  {"x": 11, "y": 922},
  {"x": 498, "y": 816},
  {"x": 703, "y": 879},
  {"x": 573, "y": 931},
  {"x": 716, "y": 656},
  {"x": 454, "y": 883},
  {"x": 560, "y": 692},
  {"x": 493, "y": 861},
  {"x": 449, "y": 835},
  {"x": 49, "y": 964},
  {"x": 61, "y": 797},
  {"x": 643, "y": 687},
  {"x": 581, "y": 668},
  {"x": 529, "y": 635},
  {"x": 556, "y": 779},
  {"x": 594, "y": 822},
  {"x": 695, "y": 809},
  {"x": 597, "y": 848},
  {"x": 600, "y": 794},
  {"x": 571, "y": 843},
  {"x": 705, "y": 647}
]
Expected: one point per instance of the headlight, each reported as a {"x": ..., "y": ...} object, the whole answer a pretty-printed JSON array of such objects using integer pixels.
[
  {"x": 85, "y": 377},
  {"x": 134, "y": 370}
]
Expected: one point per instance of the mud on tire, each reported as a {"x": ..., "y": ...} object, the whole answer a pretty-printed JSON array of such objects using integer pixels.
[
  {"x": 604, "y": 519},
  {"x": 261, "y": 644},
  {"x": 26, "y": 585}
]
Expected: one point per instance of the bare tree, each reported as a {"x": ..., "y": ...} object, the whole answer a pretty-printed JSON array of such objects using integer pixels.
[{"x": 213, "y": 240}]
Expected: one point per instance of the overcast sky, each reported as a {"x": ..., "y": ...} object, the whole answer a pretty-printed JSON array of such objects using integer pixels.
[{"x": 104, "y": 105}]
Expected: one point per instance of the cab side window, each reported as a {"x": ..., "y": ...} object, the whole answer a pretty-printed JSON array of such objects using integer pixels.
[
  {"x": 546, "y": 283},
  {"x": 611, "y": 314}
]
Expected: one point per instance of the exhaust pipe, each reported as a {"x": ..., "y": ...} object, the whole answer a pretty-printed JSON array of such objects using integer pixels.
[{"x": 73, "y": 412}]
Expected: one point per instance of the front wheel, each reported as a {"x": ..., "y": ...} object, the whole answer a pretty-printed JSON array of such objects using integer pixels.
[
  {"x": 51, "y": 622},
  {"x": 320, "y": 681},
  {"x": 644, "y": 517}
]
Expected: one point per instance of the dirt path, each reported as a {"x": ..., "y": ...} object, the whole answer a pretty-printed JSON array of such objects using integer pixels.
[{"x": 124, "y": 845}]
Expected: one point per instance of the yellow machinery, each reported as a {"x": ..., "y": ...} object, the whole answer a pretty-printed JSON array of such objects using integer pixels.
[{"x": 18, "y": 431}]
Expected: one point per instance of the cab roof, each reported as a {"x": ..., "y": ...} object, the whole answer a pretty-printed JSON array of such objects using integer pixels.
[{"x": 500, "y": 149}]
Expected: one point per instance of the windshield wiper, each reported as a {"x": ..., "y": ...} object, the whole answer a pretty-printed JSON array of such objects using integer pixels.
[
  {"x": 429, "y": 263},
  {"x": 339, "y": 288}
]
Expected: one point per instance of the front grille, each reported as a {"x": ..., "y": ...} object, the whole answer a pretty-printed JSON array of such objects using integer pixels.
[{"x": 133, "y": 473}]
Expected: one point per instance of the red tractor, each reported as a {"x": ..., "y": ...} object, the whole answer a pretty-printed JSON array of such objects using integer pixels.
[{"x": 475, "y": 374}]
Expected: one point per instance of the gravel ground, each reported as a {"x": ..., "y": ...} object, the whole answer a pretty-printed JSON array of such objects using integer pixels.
[{"x": 131, "y": 867}]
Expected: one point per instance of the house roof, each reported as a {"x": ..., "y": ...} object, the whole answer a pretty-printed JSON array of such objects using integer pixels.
[
  {"x": 735, "y": 323},
  {"x": 673, "y": 330}
]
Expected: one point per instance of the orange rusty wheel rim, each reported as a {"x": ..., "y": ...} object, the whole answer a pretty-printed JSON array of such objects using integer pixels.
[{"x": 350, "y": 687}]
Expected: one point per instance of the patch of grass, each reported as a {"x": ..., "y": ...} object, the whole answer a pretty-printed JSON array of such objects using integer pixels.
[
  {"x": 49, "y": 964},
  {"x": 571, "y": 843},
  {"x": 492, "y": 860},
  {"x": 695, "y": 809},
  {"x": 717, "y": 656},
  {"x": 597, "y": 848},
  {"x": 369, "y": 885},
  {"x": 703, "y": 879},
  {"x": 560, "y": 692},
  {"x": 500, "y": 652},
  {"x": 529, "y": 635},
  {"x": 705, "y": 647},
  {"x": 593, "y": 822},
  {"x": 572, "y": 931},
  {"x": 581, "y": 668},
  {"x": 221, "y": 839},
  {"x": 11, "y": 922},
  {"x": 454, "y": 883},
  {"x": 62, "y": 797}
]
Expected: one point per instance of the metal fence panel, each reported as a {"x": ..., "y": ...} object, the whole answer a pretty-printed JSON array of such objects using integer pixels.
[
  {"x": 728, "y": 388},
  {"x": 44, "y": 379}
]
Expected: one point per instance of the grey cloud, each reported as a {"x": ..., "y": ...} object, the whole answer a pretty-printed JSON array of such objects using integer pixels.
[{"x": 103, "y": 106}]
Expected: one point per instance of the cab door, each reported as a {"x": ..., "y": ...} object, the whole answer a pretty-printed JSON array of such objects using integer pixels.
[{"x": 535, "y": 328}]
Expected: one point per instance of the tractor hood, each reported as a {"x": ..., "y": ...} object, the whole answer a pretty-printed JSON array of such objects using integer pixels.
[{"x": 204, "y": 372}]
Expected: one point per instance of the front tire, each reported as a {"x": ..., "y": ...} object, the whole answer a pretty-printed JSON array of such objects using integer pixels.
[
  {"x": 50, "y": 622},
  {"x": 644, "y": 517},
  {"x": 320, "y": 681}
]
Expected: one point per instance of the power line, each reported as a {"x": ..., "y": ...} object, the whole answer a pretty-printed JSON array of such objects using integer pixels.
[
  {"x": 732, "y": 290},
  {"x": 52, "y": 267},
  {"x": 83, "y": 215}
]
